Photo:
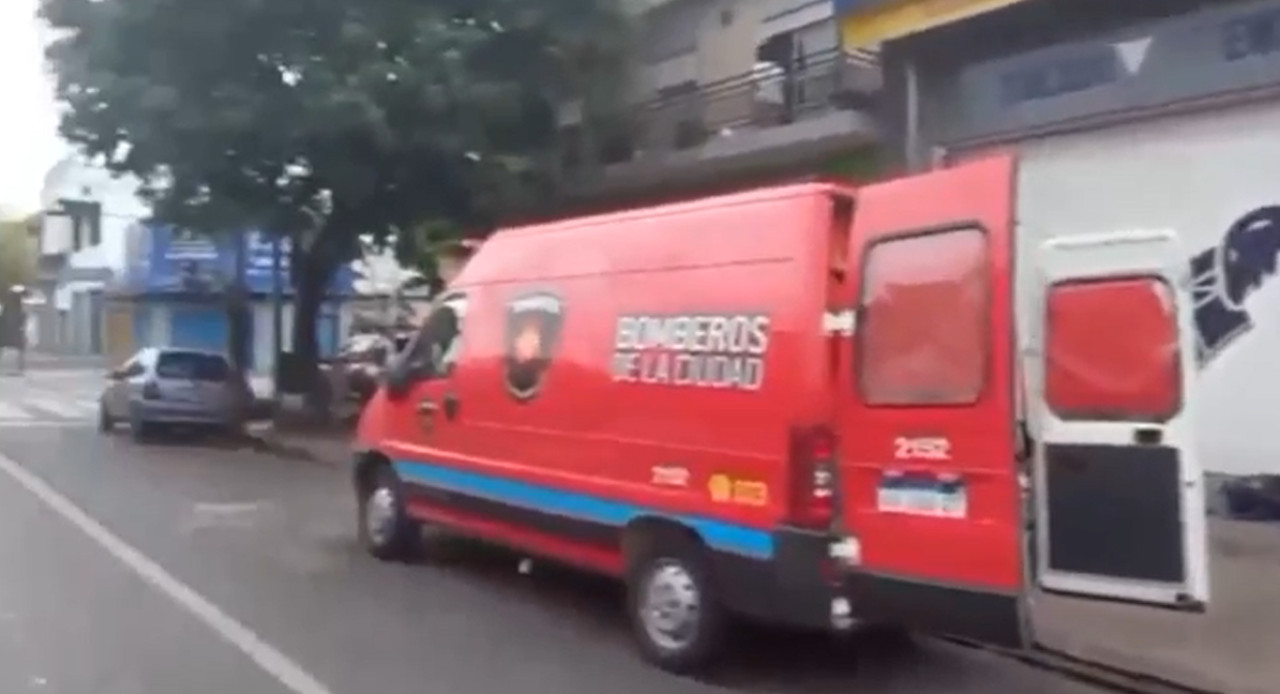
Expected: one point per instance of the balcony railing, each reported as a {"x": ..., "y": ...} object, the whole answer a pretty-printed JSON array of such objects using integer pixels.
[{"x": 768, "y": 97}]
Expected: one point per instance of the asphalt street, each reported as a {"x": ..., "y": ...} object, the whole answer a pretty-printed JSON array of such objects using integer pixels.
[{"x": 179, "y": 568}]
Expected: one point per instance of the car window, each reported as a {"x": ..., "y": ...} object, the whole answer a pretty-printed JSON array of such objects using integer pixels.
[
  {"x": 449, "y": 347},
  {"x": 193, "y": 366}
]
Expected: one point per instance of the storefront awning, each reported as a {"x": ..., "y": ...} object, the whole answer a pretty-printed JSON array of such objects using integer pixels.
[{"x": 867, "y": 23}]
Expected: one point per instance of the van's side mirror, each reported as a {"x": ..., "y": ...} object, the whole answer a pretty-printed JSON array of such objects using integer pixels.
[
  {"x": 115, "y": 375},
  {"x": 405, "y": 372}
]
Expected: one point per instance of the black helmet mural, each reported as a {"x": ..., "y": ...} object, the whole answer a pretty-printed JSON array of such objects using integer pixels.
[{"x": 1226, "y": 276}]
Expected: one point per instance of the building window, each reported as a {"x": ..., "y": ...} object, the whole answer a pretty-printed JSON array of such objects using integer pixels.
[
  {"x": 1112, "y": 351},
  {"x": 923, "y": 334},
  {"x": 794, "y": 69},
  {"x": 95, "y": 228},
  {"x": 671, "y": 31},
  {"x": 86, "y": 223}
]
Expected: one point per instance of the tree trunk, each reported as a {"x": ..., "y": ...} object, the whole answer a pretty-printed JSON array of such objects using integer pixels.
[
  {"x": 238, "y": 312},
  {"x": 310, "y": 282},
  {"x": 239, "y": 320}
]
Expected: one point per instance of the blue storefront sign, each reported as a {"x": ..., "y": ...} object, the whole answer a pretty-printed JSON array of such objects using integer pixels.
[
  {"x": 175, "y": 280},
  {"x": 172, "y": 260}
]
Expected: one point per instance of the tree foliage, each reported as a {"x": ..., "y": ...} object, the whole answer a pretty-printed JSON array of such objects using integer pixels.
[{"x": 328, "y": 120}]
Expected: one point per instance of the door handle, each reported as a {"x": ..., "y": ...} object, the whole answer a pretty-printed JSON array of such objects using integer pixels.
[
  {"x": 427, "y": 407},
  {"x": 450, "y": 405},
  {"x": 1148, "y": 436}
]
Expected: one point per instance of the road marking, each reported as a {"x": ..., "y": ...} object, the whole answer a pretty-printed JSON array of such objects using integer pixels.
[
  {"x": 11, "y": 411},
  {"x": 206, "y": 515},
  {"x": 56, "y": 407},
  {"x": 271, "y": 660},
  {"x": 44, "y": 424}
]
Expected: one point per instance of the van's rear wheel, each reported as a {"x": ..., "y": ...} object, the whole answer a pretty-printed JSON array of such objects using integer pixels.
[
  {"x": 386, "y": 531},
  {"x": 675, "y": 612}
]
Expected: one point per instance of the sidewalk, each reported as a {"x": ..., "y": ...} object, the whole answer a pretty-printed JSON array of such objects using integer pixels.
[
  {"x": 327, "y": 447},
  {"x": 68, "y": 362},
  {"x": 1233, "y": 648}
]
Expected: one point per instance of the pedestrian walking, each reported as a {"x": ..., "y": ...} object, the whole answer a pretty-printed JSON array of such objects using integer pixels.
[{"x": 13, "y": 326}]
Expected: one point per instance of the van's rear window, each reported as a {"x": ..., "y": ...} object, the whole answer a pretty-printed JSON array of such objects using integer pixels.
[
  {"x": 923, "y": 336},
  {"x": 192, "y": 366},
  {"x": 1111, "y": 350}
]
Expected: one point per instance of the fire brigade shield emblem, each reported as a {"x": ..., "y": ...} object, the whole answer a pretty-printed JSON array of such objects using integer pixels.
[{"x": 534, "y": 324}]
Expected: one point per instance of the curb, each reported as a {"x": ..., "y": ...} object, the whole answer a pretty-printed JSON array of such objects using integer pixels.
[
  {"x": 1085, "y": 671},
  {"x": 279, "y": 449},
  {"x": 261, "y": 437}
]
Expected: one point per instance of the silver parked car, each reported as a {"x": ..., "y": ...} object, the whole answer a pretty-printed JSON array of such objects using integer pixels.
[{"x": 167, "y": 387}]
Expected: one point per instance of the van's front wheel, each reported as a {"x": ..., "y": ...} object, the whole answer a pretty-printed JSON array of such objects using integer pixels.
[
  {"x": 675, "y": 614},
  {"x": 386, "y": 531}
]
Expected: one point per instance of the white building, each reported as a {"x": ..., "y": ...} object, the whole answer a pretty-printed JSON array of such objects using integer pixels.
[{"x": 83, "y": 246}]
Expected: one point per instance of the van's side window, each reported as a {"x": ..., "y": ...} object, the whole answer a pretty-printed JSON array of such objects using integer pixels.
[
  {"x": 440, "y": 341},
  {"x": 922, "y": 334}
]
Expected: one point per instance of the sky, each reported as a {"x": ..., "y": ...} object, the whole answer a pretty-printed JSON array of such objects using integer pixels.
[{"x": 29, "y": 142}]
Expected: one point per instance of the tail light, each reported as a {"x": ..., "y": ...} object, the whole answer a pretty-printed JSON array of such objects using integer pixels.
[
  {"x": 812, "y": 466},
  {"x": 151, "y": 391}
]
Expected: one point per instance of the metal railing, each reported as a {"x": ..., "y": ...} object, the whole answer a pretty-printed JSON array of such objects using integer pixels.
[{"x": 767, "y": 97}]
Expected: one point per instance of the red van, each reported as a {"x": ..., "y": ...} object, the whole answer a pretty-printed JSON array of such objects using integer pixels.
[{"x": 799, "y": 404}]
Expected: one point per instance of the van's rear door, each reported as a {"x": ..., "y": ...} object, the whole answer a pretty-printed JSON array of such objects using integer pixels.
[
  {"x": 927, "y": 474},
  {"x": 1119, "y": 495}
]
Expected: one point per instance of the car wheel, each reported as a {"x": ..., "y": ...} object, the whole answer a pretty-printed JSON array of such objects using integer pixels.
[
  {"x": 386, "y": 530},
  {"x": 105, "y": 422},
  {"x": 233, "y": 431},
  {"x": 141, "y": 431},
  {"x": 675, "y": 612}
]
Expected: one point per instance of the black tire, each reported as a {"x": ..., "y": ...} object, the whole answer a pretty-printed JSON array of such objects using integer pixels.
[
  {"x": 234, "y": 432},
  {"x": 105, "y": 423},
  {"x": 400, "y": 539},
  {"x": 706, "y": 641},
  {"x": 141, "y": 431}
]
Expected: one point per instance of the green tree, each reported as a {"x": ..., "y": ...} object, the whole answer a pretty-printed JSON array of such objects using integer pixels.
[
  {"x": 329, "y": 120},
  {"x": 18, "y": 248}
]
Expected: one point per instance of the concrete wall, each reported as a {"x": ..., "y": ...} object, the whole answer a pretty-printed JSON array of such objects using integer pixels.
[
  {"x": 946, "y": 66},
  {"x": 69, "y": 322},
  {"x": 73, "y": 179}
]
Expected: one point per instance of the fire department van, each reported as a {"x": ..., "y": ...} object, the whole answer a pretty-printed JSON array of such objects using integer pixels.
[{"x": 809, "y": 405}]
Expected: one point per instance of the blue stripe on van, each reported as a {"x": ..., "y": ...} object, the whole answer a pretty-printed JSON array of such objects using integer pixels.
[{"x": 729, "y": 537}]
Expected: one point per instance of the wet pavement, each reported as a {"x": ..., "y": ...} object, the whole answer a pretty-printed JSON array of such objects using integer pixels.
[
  {"x": 74, "y": 619},
  {"x": 1231, "y": 647},
  {"x": 269, "y": 544}
]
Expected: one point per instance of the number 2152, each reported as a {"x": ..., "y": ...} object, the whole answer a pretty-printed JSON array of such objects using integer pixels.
[{"x": 924, "y": 448}]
